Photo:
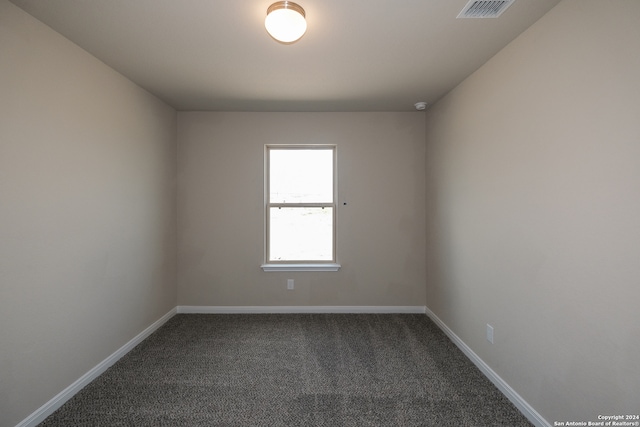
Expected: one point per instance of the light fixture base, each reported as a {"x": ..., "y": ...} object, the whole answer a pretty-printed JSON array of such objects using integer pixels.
[{"x": 286, "y": 5}]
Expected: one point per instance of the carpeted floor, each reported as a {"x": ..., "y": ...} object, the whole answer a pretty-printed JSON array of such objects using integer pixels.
[{"x": 292, "y": 370}]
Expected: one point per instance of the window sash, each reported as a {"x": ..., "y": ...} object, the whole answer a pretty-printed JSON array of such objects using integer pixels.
[{"x": 301, "y": 234}]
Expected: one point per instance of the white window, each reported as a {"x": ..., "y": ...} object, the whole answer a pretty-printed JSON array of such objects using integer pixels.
[{"x": 300, "y": 207}]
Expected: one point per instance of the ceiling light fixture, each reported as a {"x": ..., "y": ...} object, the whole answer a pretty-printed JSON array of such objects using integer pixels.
[{"x": 285, "y": 21}]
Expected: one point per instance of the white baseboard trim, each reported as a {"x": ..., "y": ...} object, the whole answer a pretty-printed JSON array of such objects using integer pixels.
[
  {"x": 193, "y": 309},
  {"x": 57, "y": 401},
  {"x": 527, "y": 410}
]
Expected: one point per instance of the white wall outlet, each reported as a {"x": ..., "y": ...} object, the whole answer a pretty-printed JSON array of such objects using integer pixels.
[
  {"x": 290, "y": 284},
  {"x": 490, "y": 333}
]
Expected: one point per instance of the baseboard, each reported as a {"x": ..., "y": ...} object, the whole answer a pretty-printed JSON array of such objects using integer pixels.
[
  {"x": 527, "y": 410},
  {"x": 52, "y": 405},
  {"x": 192, "y": 309}
]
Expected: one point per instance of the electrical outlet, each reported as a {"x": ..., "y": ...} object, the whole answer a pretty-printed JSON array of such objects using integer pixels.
[
  {"x": 490, "y": 333},
  {"x": 290, "y": 284}
]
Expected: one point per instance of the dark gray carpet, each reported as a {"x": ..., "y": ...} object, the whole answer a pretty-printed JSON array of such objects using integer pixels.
[{"x": 292, "y": 370}]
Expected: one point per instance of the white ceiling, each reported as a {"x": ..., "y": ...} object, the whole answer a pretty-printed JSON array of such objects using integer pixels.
[{"x": 357, "y": 55}]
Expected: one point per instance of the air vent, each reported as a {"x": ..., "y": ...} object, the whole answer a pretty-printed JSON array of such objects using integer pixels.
[{"x": 484, "y": 9}]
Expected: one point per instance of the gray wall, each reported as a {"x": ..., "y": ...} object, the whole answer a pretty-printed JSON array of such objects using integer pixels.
[
  {"x": 533, "y": 194},
  {"x": 87, "y": 212},
  {"x": 381, "y": 230}
]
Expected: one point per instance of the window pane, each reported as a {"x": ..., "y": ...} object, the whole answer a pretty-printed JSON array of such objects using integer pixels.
[
  {"x": 300, "y": 176},
  {"x": 301, "y": 234}
]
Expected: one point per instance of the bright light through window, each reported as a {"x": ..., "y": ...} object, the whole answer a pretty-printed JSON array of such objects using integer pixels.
[{"x": 301, "y": 204}]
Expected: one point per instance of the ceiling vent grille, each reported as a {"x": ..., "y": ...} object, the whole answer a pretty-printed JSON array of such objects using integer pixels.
[{"x": 484, "y": 9}]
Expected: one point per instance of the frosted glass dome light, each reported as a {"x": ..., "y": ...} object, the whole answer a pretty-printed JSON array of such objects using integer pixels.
[{"x": 285, "y": 21}]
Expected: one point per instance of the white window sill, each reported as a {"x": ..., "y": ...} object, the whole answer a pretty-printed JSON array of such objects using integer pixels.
[{"x": 300, "y": 267}]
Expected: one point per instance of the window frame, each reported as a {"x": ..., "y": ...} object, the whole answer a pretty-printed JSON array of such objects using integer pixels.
[{"x": 299, "y": 265}]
